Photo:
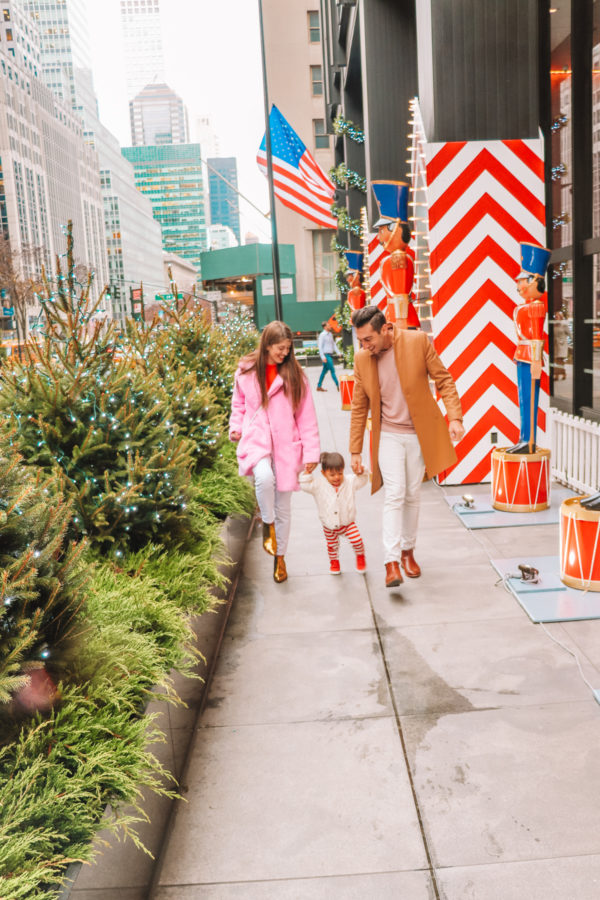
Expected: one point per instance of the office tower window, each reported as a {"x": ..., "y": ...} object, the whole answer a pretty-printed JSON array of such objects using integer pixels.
[
  {"x": 316, "y": 81},
  {"x": 314, "y": 27},
  {"x": 325, "y": 263},
  {"x": 321, "y": 137}
]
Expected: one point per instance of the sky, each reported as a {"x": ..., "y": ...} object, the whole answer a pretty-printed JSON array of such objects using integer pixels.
[{"x": 212, "y": 56}]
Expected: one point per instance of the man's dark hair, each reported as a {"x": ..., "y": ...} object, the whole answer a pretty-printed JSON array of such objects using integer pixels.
[
  {"x": 332, "y": 461},
  {"x": 323, "y": 324},
  {"x": 406, "y": 232},
  {"x": 368, "y": 315}
]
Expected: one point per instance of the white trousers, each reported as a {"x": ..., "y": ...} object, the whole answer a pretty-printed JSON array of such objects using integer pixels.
[
  {"x": 275, "y": 506},
  {"x": 402, "y": 469}
]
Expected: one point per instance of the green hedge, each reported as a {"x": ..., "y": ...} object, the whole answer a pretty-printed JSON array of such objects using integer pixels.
[{"x": 61, "y": 768}]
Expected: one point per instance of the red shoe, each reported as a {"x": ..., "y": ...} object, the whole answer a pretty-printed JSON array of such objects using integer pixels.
[
  {"x": 409, "y": 564},
  {"x": 393, "y": 575},
  {"x": 361, "y": 563},
  {"x": 334, "y": 567}
]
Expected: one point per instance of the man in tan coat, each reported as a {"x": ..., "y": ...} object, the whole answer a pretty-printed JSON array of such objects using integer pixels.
[{"x": 410, "y": 436}]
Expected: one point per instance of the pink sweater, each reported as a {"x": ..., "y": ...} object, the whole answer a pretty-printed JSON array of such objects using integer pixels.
[{"x": 394, "y": 408}]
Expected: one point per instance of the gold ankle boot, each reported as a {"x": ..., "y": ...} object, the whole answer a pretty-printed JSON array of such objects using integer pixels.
[
  {"x": 279, "y": 570},
  {"x": 269, "y": 539}
]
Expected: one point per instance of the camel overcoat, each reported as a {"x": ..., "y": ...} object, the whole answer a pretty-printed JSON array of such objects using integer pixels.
[{"x": 416, "y": 361}]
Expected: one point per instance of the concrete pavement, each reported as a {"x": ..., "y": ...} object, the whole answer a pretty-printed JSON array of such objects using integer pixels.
[{"x": 425, "y": 742}]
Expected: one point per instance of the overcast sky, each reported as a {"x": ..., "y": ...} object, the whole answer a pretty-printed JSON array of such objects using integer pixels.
[{"x": 212, "y": 56}]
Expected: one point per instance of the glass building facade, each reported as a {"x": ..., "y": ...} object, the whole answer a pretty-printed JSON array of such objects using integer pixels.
[
  {"x": 222, "y": 189},
  {"x": 171, "y": 178}
]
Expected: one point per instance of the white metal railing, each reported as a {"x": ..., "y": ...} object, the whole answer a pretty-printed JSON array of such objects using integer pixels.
[{"x": 575, "y": 446}]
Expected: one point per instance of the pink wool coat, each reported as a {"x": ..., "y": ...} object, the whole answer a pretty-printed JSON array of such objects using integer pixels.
[{"x": 291, "y": 438}]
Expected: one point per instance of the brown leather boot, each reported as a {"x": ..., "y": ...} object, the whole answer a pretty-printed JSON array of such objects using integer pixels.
[
  {"x": 269, "y": 539},
  {"x": 279, "y": 570},
  {"x": 409, "y": 564},
  {"x": 393, "y": 575}
]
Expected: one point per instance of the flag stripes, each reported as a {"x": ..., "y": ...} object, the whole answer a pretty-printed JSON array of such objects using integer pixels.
[{"x": 298, "y": 180}]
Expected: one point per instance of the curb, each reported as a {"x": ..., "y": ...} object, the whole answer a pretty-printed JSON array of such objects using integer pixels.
[{"x": 209, "y": 629}]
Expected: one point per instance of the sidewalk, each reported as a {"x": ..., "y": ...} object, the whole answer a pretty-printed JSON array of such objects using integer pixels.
[{"x": 425, "y": 742}]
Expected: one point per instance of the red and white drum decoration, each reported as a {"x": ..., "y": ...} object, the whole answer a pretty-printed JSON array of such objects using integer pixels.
[
  {"x": 346, "y": 390},
  {"x": 579, "y": 546},
  {"x": 520, "y": 481}
]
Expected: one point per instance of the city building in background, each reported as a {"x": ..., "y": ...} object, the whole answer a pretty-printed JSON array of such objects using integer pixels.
[
  {"x": 50, "y": 174},
  {"x": 220, "y": 237},
  {"x": 170, "y": 176},
  {"x": 180, "y": 272},
  {"x": 142, "y": 45},
  {"x": 295, "y": 84},
  {"x": 251, "y": 238},
  {"x": 130, "y": 240},
  {"x": 158, "y": 116},
  {"x": 202, "y": 132},
  {"x": 223, "y": 192},
  {"x": 133, "y": 236}
]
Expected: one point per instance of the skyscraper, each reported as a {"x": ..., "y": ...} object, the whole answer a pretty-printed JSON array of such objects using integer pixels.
[
  {"x": 158, "y": 116},
  {"x": 171, "y": 177},
  {"x": 222, "y": 188},
  {"x": 120, "y": 221},
  {"x": 143, "y": 47}
]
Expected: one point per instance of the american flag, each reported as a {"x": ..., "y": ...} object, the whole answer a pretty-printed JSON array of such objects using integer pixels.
[{"x": 298, "y": 180}]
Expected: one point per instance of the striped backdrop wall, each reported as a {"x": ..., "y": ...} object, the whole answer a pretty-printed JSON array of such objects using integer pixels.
[{"x": 483, "y": 199}]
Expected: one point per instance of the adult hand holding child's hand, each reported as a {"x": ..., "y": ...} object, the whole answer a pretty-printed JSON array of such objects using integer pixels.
[
  {"x": 356, "y": 463},
  {"x": 310, "y": 467},
  {"x": 235, "y": 435}
]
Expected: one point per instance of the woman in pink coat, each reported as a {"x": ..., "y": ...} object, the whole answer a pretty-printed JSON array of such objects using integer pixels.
[{"x": 274, "y": 423}]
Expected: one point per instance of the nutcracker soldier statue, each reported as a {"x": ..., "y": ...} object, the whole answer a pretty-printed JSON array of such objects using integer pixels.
[
  {"x": 356, "y": 297},
  {"x": 521, "y": 474},
  {"x": 529, "y": 324},
  {"x": 397, "y": 270}
]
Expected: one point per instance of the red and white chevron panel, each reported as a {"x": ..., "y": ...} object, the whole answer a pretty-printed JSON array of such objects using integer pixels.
[
  {"x": 484, "y": 198},
  {"x": 376, "y": 256}
]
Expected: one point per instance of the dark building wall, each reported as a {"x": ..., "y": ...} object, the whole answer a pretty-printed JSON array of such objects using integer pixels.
[
  {"x": 388, "y": 43},
  {"x": 478, "y": 69}
]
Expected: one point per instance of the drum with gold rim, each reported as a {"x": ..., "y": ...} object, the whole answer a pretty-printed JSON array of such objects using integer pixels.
[
  {"x": 579, "y": 545},
  {"x": 346, "y": 390},
  {"x": 520, "y": 481}
]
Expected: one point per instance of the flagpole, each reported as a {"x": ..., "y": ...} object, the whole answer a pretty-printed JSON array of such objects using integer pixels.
[{"x": 274, "y": 244}]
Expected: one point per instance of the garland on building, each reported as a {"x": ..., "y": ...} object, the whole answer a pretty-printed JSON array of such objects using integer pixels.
[
  {"x": 344, "y": 177},
  {"x": 345, "y": 222},
  {"x": 348, "y": 128}
]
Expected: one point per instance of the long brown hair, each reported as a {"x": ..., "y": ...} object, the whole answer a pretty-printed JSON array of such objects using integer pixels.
[{"x": 290, "y": 370}]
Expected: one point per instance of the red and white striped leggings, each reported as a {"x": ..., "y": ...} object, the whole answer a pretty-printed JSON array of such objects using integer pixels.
[{"x": 332, "y": 538}]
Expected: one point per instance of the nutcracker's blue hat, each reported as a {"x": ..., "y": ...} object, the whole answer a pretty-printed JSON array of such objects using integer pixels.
[
  {"x": 392, "y": 200},
  {"x": 355, "y": 260},
  {"x": 534, "y": 261}
]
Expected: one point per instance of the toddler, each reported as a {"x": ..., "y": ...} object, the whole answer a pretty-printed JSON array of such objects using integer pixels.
[{"x": 334, "y": 496}]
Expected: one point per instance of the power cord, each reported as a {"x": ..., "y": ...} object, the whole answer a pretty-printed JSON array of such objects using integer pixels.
[{"x": 504, "y": 582}]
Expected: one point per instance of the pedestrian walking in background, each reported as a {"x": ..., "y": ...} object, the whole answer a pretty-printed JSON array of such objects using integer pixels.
[
  {"x": 561, "y": 334},
  {"x": 274, "y": 423},
  {"x": 327, "y": 350},
  {"x": 334, "y": 495},
  {"x": 410, "y": 436}
]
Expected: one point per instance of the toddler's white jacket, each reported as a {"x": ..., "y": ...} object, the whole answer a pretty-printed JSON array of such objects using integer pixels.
[{"x": 335, "y": 508}]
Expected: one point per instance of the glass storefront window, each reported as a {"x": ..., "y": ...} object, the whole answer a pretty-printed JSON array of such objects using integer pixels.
[
  {"x": 560, "y": 317},
  {"x": 560, "y": 86}
]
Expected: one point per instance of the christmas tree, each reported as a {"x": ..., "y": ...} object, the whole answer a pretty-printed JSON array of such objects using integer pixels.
[
  {"x": 195, "y": 410},
  {"x": 40, "y": 581},
  {"x": 82, "y": 410}
]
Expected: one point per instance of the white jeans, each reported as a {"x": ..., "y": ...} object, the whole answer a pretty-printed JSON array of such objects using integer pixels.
[
  {"x": 275, "y": 506},
  {"x": 402, "y": 469}
]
